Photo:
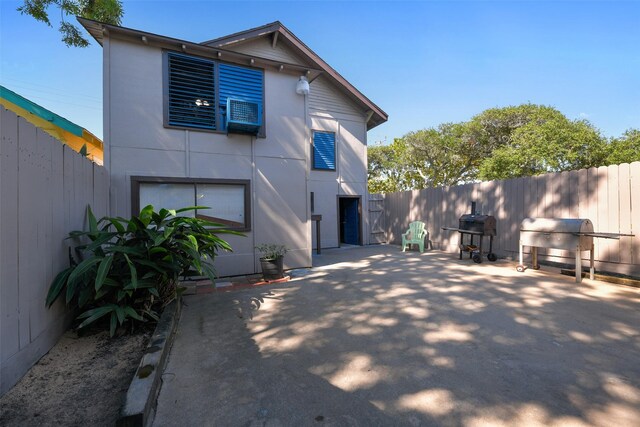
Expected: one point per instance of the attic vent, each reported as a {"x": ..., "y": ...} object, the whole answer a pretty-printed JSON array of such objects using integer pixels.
[{"x": 243, "y": 116}]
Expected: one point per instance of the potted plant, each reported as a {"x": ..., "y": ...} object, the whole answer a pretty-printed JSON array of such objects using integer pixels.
[{"x": 271, "y": 260}]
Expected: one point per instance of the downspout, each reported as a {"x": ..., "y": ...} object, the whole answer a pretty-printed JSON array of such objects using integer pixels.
[
  {"x": 187, "y": 153},
  {"x": 366, "y": 226},
  {"x": 307, "y": 169},
  {"x": 253, "y": 202},
  {"x": 106, "y": 117}
]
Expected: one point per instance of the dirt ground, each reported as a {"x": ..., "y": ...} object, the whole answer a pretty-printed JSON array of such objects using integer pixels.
[{"x": 81, "y": 381}]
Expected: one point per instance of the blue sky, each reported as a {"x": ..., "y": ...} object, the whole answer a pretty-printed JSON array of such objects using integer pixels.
[{"x": 422, "y": 62}]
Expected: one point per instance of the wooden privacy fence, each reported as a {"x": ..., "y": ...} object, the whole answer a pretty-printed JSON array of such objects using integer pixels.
[
  {"x": 609, "y": 196},
  {"x": 45, "y": 188}
]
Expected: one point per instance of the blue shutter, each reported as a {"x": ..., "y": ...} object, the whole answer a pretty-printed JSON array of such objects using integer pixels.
[
  {"x": 324, "y": 150},
  {"x": 191, "y": 92},
  {"x": 239, "y": 83}
]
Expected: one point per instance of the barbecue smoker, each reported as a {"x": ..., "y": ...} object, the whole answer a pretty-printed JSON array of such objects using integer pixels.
[
  {"x": 561, "y": 233},
  {"x": 474, "y": 225}
]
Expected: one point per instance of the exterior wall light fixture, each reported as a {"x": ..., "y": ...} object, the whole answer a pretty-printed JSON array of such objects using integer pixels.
[{"x": 302, "y": 87}]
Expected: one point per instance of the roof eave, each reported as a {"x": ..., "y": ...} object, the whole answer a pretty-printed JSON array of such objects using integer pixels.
[
  {"x": 95, "y": 28},
  {"x": 378, "y": 117},
  {"x": 98, "y": 30},
  {"x": 244, "y": 35}
]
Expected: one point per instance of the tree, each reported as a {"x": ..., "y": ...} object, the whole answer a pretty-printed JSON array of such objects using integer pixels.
[
  {"x": 498, "y": 143},
  {"x": 625, "y": 149},
  {"x": 387, "y": 168},
  {"x": 108, "y": 11},
  {"x": 447, "y": 155},
  {"x": 554, "y": 145},
  {"x": 494, "y": 127}
]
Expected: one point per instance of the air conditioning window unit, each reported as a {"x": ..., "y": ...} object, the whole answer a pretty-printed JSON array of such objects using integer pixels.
[{"x": 243, "y": 116}]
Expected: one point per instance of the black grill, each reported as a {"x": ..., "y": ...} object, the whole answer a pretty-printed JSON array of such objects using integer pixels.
[
  {"x": 473, "y": 225},
  {"x": 485, "y": 224}
]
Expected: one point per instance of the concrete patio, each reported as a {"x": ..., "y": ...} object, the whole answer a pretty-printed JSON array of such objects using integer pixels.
[{"x": 373, "y": 336}]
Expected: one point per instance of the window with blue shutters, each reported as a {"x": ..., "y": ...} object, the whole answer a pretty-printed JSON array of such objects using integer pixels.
[
  {"x": 198, "y": 91},
  {"x": 324, "y": 150},
  {"x": 244, "y": 87},
  {"x": 191, "y": 92}
]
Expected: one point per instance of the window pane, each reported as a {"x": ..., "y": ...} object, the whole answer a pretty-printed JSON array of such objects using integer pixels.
[
  {"x": 226, "y": 203},
  {"x": 168, "y": 196}
]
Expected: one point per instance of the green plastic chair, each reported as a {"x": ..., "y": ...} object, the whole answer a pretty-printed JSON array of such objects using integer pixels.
[{"x": 414, "y": 236}]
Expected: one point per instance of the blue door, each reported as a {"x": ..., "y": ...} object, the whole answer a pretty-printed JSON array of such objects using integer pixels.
[{"x": 350, "y": 220}]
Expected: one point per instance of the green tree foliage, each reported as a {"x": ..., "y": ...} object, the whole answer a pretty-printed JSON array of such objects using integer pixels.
[
  {"x": 498, "y": 143},
  {"x": 387, "y": 168},
  {"x": 552, "y": 146},
  {"x": 625, "y": 149},
  {"x": 108, "y": 11},
  {"x": 446, "y": 155},
  {"x": 494, "y": 127}
]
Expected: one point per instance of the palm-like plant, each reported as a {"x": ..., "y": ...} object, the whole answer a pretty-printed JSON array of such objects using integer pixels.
[{"x": 131, "y": 267}]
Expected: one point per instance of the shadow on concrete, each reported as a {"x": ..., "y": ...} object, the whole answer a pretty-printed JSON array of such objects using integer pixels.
[{"x": 392, "y": 338}]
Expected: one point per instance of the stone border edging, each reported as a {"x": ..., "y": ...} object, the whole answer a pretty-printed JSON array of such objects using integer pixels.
[{"x": 141, "y": 397}]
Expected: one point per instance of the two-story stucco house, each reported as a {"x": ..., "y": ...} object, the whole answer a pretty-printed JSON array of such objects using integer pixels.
[{"x": 254, "y": 125}]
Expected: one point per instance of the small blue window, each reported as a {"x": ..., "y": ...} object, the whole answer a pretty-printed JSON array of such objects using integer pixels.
[{"x": 324, "y": 150}]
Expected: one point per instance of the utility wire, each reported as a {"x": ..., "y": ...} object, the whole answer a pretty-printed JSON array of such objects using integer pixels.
[{"x": 49, "y": 90}]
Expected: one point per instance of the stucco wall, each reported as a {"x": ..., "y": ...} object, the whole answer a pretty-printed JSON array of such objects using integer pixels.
[
  {"x": 330, "y": 110},
  {"x": 141, "y": 145},
  {"x": 278, "y": 165}
]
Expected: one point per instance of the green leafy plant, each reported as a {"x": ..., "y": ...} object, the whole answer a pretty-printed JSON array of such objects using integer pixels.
[
  {"x": 271, "y": 251},
  {"x": 107, "y": 11},
  {"x": 130, "y": 268}
]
